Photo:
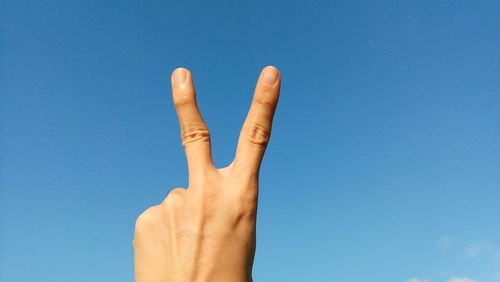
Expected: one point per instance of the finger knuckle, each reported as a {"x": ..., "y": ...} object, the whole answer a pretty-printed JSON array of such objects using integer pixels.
[
  {"x": 147, "y": 220},
  {"x": 183, "y": 98},
  {"x": 266, "y": 100},
  {"x": 246, "y": 202},
  {"x": 249, "y": 201},
  {"x": 195, "y": 133},
  {"x": 247, "y": 207},
  {"x": 257, "y": 134},
  {"x": 174, "y": 198}
]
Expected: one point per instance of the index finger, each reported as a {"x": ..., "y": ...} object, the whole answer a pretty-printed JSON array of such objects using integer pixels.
[
  {"x": 194, "y": 132},
  {"x": 256, "y": 129}
]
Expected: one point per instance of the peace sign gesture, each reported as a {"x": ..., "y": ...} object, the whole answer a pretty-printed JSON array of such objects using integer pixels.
[
  {"x": 254, "y": 134},
  {"x": 207, "y": 231}
]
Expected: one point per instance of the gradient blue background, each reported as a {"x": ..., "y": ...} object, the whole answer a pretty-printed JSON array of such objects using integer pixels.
[{"x": 384, "y": 158}]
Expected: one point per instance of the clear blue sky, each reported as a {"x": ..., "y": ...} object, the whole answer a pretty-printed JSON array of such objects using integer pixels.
[{"x": 384, "y": 159}]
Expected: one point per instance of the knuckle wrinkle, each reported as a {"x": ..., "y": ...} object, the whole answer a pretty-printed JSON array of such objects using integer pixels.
[
  {"x": 195, "y": 134},
  {"x": 266, "y": 102},
  {"x": 180, "y": 102},
  {"x": 257, "y": 134}
]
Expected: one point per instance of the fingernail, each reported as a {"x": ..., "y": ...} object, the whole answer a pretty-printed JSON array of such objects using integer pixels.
[
  {"x": 269, "y": 76},
  {"x": 179, "y": 76}
]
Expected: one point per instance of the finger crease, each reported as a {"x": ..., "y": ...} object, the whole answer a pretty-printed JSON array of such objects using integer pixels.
[{"x": 191, "y": 136}]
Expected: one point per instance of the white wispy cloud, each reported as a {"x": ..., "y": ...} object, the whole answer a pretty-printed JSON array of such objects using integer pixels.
[
  {"x": 444, "y": 242},
  {"x": 480, "y": 250},
  {"x": 413, "y": 279},
  {"x": 453, "y": 279},
  {"x": 461, "y": 279},
  {"x": 473, "y": 250}
]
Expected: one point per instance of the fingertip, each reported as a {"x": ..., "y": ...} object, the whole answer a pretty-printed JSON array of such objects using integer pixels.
[
  {"x": 180, "y": 69},
  {"x": 271, "y": 67},
  {"x": 179, "y": 76},
  {"x": 182, "y": 87},
  {"x": 269, "y": 76}
]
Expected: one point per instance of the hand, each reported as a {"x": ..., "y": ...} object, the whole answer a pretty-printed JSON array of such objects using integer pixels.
[{"x": 207, "y": 231}]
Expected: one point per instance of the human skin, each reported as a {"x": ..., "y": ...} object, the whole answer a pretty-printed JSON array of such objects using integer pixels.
[{"x": 206, "y": 232}]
